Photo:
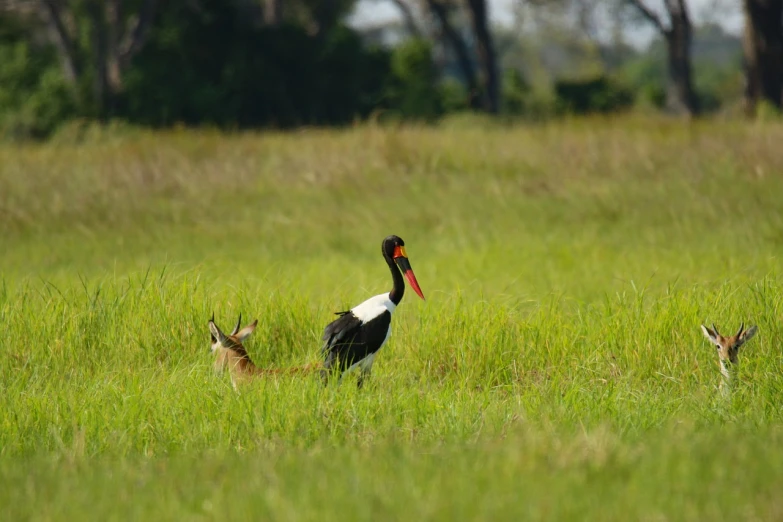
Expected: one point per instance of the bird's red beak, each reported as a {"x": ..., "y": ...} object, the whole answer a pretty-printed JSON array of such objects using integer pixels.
[
  {"x": 402, "y": 261},
  {"x": 412, "y": 281}
]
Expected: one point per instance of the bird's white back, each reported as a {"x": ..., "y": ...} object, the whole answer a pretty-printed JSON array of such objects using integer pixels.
[{"x": 373, "y": 307}]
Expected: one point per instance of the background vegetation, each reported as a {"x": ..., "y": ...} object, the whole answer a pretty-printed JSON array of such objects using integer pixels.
[
  {"x": 242, "y": 64},
  {"x": 555, "y": 371}
]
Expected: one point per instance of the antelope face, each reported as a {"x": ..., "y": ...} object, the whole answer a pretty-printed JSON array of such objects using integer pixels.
[
  {"x": 225, "y": 346},
  {"x": 728, "y": 347}
]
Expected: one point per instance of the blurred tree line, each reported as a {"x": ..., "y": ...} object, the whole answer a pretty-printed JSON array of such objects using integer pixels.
[{"x": 285, "y": 63}]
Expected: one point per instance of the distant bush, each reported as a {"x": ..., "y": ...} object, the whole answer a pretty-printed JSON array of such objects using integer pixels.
[
  {"x": 454, "y": 96},
  {"x": 766, "y": 111},
  {"x": 718, "y": 85},
  {"x": 651, "y": 95},
  {"x": 414, "y": 91},
  {"x": 208, "y": 66},
  {"x": 516, "y": 92},
  {"x": 34, "y": 98},
  {"x": 598, "y": 95},
  {"x": 520, "y": 99},
  {"x": 646, "y": 77}
]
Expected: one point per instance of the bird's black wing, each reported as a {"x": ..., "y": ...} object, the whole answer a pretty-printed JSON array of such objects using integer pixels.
[
  {"x": 347, "y": 339},
  {"x": 336, "y": 331}
]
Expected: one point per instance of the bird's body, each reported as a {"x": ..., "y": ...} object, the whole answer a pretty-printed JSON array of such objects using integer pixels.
[
  {"x": 353, "y": 339},
  {"x": 358, "y": 334}
]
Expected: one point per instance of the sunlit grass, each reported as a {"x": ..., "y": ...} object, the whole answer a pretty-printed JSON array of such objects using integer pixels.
[{"x": 555, "y": 371}]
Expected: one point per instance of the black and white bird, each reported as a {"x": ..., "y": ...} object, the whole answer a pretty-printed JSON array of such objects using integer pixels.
[{"x": 352, "y": 340}]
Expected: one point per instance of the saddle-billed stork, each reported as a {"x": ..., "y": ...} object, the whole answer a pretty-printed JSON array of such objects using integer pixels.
[{"x": 354, "y": 338}]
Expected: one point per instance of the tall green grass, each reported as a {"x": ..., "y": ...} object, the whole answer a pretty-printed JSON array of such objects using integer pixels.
[{"x": 555, "y": 371}]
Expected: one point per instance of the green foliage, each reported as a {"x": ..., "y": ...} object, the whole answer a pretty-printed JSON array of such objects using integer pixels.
[
  {"x": 718, "y": 86},
  {"x": 207, "y": 65},
  {"x": 414, "y": 92},
  {"x": 520, "y": 99},
  {"x": 515, "y": 91},
  {"x": 652, "y": 95},
  {"x": 34, "y": 98},
  {"x": 596, "y": 95},
  {"x": 235, "y": 74},
  {"x": 215, "y": 63},
  {"x": 646, "y": 76},
  {"x": 454, "y": 97},
  {"x": 767, "y": 111}
]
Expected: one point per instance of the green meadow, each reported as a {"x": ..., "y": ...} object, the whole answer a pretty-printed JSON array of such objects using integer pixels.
[{"x": 555, "y": 371}]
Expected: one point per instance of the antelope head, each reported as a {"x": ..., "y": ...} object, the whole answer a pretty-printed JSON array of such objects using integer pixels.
[
  {"x": 728, "y": 347},
  {"x": 228, "y": 349}
]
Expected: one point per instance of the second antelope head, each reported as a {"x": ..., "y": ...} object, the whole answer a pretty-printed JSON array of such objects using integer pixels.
[{"x": 728, "y": 347}]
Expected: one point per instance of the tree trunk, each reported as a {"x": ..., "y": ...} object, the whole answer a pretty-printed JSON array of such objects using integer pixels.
[
  {"x": 460, "y": 50},
  {"x": 486, "y": 54},
  {"x": 273, "y": 12},
  {"x": 115, "y": 18},
  {"x": 99, "y": 44},
  {"x": 680, "y": 97},
  {"x": 66, "y": 47},
  {"x": 763, "y": 49}
]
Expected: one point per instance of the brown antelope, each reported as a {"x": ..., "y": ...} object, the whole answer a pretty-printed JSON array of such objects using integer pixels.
[
  {"x": 728, "y": 349},
  {"x": 230, "y": 354}
]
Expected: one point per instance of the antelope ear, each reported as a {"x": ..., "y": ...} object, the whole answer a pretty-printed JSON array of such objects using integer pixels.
[
  {"x": 245, "y": 332},
  {"x": 709, "y": 334},
  {"x": 748, "y": 334},
  {"x": 216, "y": 334}
]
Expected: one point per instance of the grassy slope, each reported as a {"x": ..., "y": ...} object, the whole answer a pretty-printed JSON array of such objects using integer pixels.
[{"x": 556, "y": 370}]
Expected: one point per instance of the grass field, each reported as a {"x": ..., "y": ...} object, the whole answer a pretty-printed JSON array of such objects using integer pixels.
[{"x": 556, "y": 370}]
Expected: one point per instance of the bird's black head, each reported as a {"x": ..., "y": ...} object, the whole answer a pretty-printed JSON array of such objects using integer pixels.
[
  {"x": 389, "y": 245},
  {"x": 393, "y": 248}
]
